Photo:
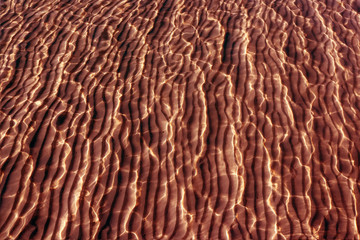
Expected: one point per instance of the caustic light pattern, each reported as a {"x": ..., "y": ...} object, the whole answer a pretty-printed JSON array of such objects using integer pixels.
[{"x": 179, "y": 119}]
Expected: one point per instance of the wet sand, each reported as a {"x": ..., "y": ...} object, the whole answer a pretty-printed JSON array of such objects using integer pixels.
[{"x": 174, "y": 119}]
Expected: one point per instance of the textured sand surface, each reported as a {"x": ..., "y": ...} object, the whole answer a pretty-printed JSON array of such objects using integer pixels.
[{"x": 179, "y": 119}]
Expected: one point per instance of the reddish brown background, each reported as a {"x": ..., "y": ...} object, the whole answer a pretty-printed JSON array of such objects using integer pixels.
[{"x": 179, "y": 119}]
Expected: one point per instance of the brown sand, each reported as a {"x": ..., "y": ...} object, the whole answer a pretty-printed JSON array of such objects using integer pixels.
[{"x": 174, "y": 119}]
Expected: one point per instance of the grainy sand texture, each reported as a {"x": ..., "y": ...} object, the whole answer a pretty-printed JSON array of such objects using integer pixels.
[{"x": 179, "y": 119}]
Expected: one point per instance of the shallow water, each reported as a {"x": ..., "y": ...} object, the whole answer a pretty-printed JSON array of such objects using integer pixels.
[{"x": 174, "y": 119}]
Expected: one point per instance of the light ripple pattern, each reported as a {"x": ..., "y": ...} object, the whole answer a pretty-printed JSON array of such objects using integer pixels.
[{"x": 179, "y": 119}]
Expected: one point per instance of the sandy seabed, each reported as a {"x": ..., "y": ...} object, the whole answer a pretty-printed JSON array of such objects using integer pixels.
[{"x": 179, "y": 119}]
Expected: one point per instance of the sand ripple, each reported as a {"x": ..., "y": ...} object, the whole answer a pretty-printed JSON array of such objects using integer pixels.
[{"x": 174, "y": 119}]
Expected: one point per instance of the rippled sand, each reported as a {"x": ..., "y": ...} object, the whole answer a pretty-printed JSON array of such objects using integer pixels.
[{"x": 174, "y": 119}]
